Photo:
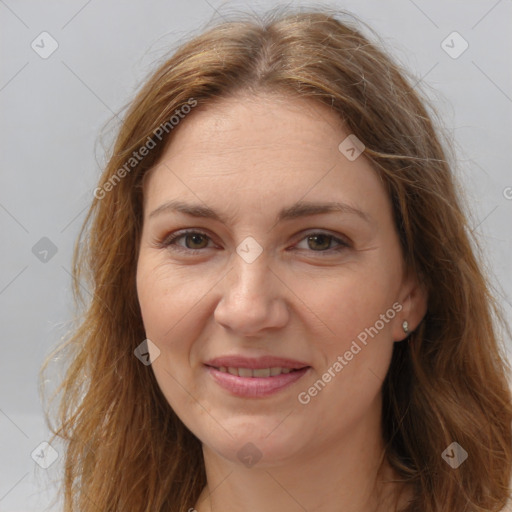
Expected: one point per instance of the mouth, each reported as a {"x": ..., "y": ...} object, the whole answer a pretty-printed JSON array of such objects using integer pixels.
[
  {"x": 256, "y": 373},
  {"x": 255, "y": 378}
]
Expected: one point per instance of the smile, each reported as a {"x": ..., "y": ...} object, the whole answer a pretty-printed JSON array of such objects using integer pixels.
[
  {"x": 255, "y": 373},
  {"x": 255, "y": 382}
]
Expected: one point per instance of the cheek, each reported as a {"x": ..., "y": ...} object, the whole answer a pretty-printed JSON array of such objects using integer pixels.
[
  {"x": 345, "y": 306},
  {"x": 167, "y": 305},
  {"x": 176, "y": 309},
  {"x": 354, "y": 338},
  {"x": 170, "y": 302},
  {"x": 345, "y": 386},
  {"x": 168, "y": 297}
]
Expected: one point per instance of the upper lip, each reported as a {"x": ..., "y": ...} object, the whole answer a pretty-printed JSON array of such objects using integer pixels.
[{"x": 255, "y": 363}]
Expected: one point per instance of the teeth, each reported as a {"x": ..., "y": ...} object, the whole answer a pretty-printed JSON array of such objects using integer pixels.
[
  {"x": 258, "y": 373},
  {"x": 264, "y": 372},
  {"x": 244, "y": 372}
]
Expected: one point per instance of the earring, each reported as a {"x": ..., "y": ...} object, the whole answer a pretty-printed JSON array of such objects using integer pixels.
[{"x": 405, "y": 326}]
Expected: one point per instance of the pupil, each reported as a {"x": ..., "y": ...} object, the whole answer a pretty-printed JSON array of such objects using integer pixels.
[
  {"x": 195, "y": 240},
  {"x": 321, "y": 241}
]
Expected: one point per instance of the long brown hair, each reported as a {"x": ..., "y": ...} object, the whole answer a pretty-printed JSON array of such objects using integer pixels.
[{"x": 126, "y": 450}]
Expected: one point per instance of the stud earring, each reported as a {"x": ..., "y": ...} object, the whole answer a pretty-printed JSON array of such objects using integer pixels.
[{"x": 405, "y": 326}]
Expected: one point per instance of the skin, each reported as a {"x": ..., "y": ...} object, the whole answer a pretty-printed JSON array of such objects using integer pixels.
[{"x": 247, "y": 157}]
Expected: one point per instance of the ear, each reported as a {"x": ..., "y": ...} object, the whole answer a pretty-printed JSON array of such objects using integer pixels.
[{"x": 413, "y": 297}]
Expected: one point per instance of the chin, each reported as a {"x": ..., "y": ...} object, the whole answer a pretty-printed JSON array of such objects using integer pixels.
[{"x": 259, "y": 444}]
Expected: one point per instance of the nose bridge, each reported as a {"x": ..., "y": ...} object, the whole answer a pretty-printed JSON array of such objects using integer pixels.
[
  {"x": 250, "y": 282},
  {"x": 251, "y": 298}
]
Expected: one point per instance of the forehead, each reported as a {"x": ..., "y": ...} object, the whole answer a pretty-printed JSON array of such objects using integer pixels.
[
  {"x": 251, "y": 123},
  {"x": 264, "y": 148}
]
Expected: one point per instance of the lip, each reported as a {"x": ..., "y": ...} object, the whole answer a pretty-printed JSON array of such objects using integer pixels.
[
  {"x": 255, "y": 363},
  {"x": 255, "y": 387}
]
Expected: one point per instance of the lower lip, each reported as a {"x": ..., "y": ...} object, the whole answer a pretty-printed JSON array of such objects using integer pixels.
[{"x": 255, "y": 387}]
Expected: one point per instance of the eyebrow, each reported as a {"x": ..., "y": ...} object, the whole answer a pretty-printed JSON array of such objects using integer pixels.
[{"x": 300, "y": 209}]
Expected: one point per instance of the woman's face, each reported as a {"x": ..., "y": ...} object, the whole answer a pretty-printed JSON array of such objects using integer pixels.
[{"x": 271, "y": 280}]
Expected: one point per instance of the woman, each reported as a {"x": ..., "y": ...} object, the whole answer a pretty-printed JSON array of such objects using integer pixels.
[{"x": 288, "y": 313}]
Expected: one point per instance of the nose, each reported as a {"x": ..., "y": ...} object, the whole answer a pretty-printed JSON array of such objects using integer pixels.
[{"x": 253, "y": 299}]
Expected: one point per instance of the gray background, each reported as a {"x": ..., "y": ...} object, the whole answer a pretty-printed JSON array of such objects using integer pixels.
[{"x": 54, "y": 109}]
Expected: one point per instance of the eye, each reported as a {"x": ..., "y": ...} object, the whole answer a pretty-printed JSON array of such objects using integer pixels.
[
  {"x": 193, "y": 241},
  {"x": 187, "y": 240},
  {"x": 322, "y": 242}
]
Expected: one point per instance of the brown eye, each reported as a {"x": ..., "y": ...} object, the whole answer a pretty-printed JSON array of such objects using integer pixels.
[
  {"x": 195, "y": 241},
  {"x": 319, "y": 242},
  {"x": 187, "y": 240},
  {"x": 322, "y": 243}
]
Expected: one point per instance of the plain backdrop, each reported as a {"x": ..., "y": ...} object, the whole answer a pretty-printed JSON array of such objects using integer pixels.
[{"x": 54, "y": 107}]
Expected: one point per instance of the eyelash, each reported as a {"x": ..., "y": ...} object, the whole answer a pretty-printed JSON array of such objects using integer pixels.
[{"x": 169, "y": 242}]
